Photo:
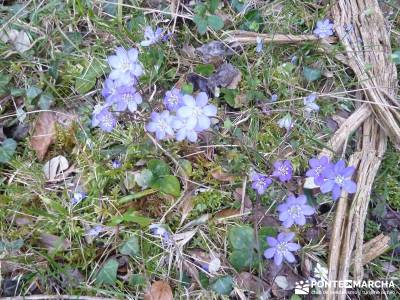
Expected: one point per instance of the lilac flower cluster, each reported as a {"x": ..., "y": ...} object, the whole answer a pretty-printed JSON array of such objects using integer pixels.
[
  {"x": 283, "y": 170},
  {"x": 293, "y": 211},
  {"x": 119, "y": 90},
  {"x": 332, "y": 177},
  {"x": 184, "y": 118}
]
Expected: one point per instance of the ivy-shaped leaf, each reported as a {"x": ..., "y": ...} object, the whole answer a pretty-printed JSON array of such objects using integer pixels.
[
  {"x": 215, "y": 22},
  {"x": 131, "y": 247},
  {"x": 108, "y": 273},
  {"x": 7, "y": 150}
]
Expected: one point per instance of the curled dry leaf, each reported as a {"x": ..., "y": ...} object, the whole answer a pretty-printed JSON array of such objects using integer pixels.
[
  {"x": 250, "y": 282},
  {"x": 54, "y": 243},
  {"x": 44, "y": 133},
  {"x": 221, "y": 176},
  {"x": 159, "y": 290},
  {"x": 45, "y": 130},
  {"x": 214, "y": 52},
  {"x": 226, "y": 76},
  {"x": 54, "y": 167},
  {"x": 18, "y": 39}
]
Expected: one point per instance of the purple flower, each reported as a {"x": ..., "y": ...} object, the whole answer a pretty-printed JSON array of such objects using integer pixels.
[
  {"x": 294, "y": 210},
  {"x": 185, "y": 129},
  {"x": 317, "y": 167},
  {"x": 125, "y": 66},
  {"x": 151, "y": 37},
  {"x": 95, "y": 231},
  {"x": 286, "y": 122},
  {"x": 281, "y": 247},
  {"x": 338, "y": 177},
  {"x": 283, "y": 170},
  {"x": 161, "y": 231},
  {"x": 110, "y": 90},
  {"x": 173, "y": 99},
  {"x": 309, "y": 103},
  {"x": 77, "y": 197},
  {"x": 127, "y": 98},
  {"x": 260, "y": 44},
  {"x": 198, "y": 110},
  {"x": 324, "y": 29},
  {"x": 274, "y": 98},
  {"x": 103, "y": 118},
  {"x": 116, "y": 164},
  {"x": 260, "y": 182},
  {"x": 161, "y": 124}
]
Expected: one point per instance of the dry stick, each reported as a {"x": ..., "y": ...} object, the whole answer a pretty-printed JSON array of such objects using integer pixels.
[
  {"x": 56, "y": 297},
  {"x": 247, "y": 37}
]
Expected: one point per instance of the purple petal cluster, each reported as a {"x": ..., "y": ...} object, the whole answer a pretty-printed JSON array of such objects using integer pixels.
[
  {"x": 309, "y": 103},
  {"x": 332, "y": 177},
  {"x": 281, "y": 248},
  {"x": 119, "y": 90},
  {"x": 338, "y": 178},
  {"x": 283, "y": 170},
  {"x": 260, "y": 182},
  {"x": 324, "y": 29},
  {"x": 186, "y": 116},
  {"x": 151, "y": 36},
  {"x": 160, "y": 231},
  {"x": 294, "y": 211}
]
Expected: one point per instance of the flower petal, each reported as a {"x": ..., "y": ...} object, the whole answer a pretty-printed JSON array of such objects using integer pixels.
[
  {"x": 269, "y": 253},
  {"x": 201, "y": 99},
  {"x": 210, "y": 110},
  {"x": 336, "y": 191},
  {"x": 292, "y": 246},
  {"x": 327, "y": 186},
  {"x": 289, "y": 256},
  {"x": 308, "y": 210},
  {"x": 350, "y": 186},
  {"x": 278, "y": 258},
  {"x": 272, "y": 241}
]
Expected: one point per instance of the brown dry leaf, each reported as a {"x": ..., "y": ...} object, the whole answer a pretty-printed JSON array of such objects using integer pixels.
[
  {"x": 54, "y": 243},
  {"x": 44, "y": 133},
  {"x": 160, "y": 290},
  {"x": 55, "y": 167},
  {"x": 186, "y": 206},
  {"x": 250, "y": 282},
  {"x": 221, "y": 176},
  {"x": 227, "y": 213},
  {"x": 238, "y": 194},
  {"x": 214, "y": 52},
  {"x": 227, "y": 75}
]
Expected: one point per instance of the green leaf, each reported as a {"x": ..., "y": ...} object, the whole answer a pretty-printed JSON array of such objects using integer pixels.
[
  {"x": 311, "y": 74},
  {"x": 212, "y": 5},
  {"x": 4, "y": 80},
  {"x": 187, "y": 88},
  {"x": 230, "y": 97},
  {"x": 158, "y": 167},
  {"x": 295, "y": 297},
  {"x": 86, "y": 81},
  {"x": 201, "y": 24},
  {"x": 111, "y": 7},
  {"x": 186, "y": 166},
  {"x": 215, "y": 22},
  {"x": 396, "y": 57},
  {"x": 72, "y": 41},
  {"x": 7, "y": 150},
  {"x": 206, "y": 69},
  {"x": 32, "y": 92},
  {"x": 108, "y": 273},
  {"x": 168, "y": 184},
  {"x": 130, "y": 247},
  {"x": 262, "y": 236},
  {"x": 241, "y": 259},
  {"x": 131, "y": 217},
  {"x": 222, "y": 285},
  {"x": 45, "y": 100},
  {"x": 241, "y": 237},
  {"x": 144, "y": 178},
  {"x": 137, "y": 280}
]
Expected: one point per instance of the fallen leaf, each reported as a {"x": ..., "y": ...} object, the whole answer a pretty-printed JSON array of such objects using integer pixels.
[
  {"x": 227, "y": 213},
  {"x": 18, "y": 39},
  {"x": 188, "y": 51},
  {"x": 238, "y": 194},
  {"x": 44, "y": 133},
  {"x": 214, "y": 52},
  {"x": 282, "y": 282},
  {"x": 186, "y": 206},
  {"x": 199, "y": 82},
  {"x": 159, "y": 290},
  {"x": 226, "y": 76},
  {"x": 54, "y": 243},
  {"x": 221, "y": 176},
  {"x": 250, "y": 282},
  {"x": 54, "y": 167}
]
